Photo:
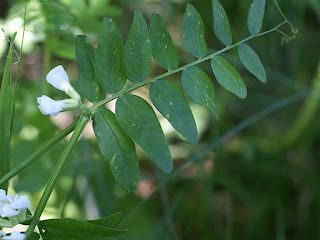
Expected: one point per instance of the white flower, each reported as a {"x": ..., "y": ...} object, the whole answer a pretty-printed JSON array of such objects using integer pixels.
[
  {"x": 58, "y": 78},
  {"x": 13, "y": 204},
  {"x": 15, "y": 235},
  {"x": 52, "y": 107},
  {"x": 20, "y": 202}
]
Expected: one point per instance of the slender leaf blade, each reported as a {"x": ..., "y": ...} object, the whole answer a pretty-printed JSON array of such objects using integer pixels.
[
  {"x": 255, "y": 16},
  {"x": 228, "y": 77},
  {"x": 85, "y": 57},
  {"x": 117, "y": 148},
  {"x": 139, "y": 121},
  {"x": 193, "y": 32},
  {"x": 252, "y": 62},
  {"x": 221, "y": 24},
  {"x": 199, "y": 88},
  {"x": 138, "y": 50},
  {"x": 109, "y": 68},
  {"x": 167, "y": 97},
  {"x": 163, "y": 50}
]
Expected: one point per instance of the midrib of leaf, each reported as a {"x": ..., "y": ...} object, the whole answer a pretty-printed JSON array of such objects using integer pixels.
[{"x": 136, "y": 86}]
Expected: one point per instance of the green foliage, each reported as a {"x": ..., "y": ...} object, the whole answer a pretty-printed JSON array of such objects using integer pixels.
[
  {"x": 228, "y": 77},
  {"x": 194, "y": 32},
  {"x": 255, "y": 16},
  {"x": 221, "y": 24},
  {"x": 163, "y": 50},
  {"x": 199, "y": 88},
  {"x": 116, "y": 148},
  {"x": 76, "y": 229},
  {"x": 139, "y": 121},
  {"x": 167, "y": 97},
  {"x": 85, "y": 57},
  {"x": 252, "y": 62},
  {"x": 109, "y": 69},
  {"x": 138, "y": 50}
]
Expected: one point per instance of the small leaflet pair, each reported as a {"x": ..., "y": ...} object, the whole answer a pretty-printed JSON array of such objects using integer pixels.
[{"x": 107, "y": 68}]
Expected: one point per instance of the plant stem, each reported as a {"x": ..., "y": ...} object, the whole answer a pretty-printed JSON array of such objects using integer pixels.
[
  {"x": 56, "y": 173},
  {"x": 103, "y": 102},
  {"x": 279, "y": 9},
  {"x": 35, "y": 156}
]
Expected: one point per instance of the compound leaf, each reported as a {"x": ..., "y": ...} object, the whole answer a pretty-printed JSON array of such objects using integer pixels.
[
  {"x": 85, "y": 57},
  {"x": 117, "y": 148},
  {"x": 163, "y": 50},
  {"x": 228, "y": 77},
  {"x": 221, "y": 24},
  {"x": 138, "y": 50},
  {"x": 193, "y": 32},
  {"x": 255, "y": 16},
  {"x": 109, "y": 69},
  {"x": 167, "y": 97},
  {"x": 252, "y": 62},
  {"x": 199, "y": 88},
  {"x": 139, "y": 121}
]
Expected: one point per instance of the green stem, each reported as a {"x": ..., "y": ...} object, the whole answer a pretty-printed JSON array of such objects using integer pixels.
[
  {"x": 56, "y": 173},
  {"x": 279, "y": 9},
  {"x": 35, "y": 156},
  {"x": 103, "y": 102}
]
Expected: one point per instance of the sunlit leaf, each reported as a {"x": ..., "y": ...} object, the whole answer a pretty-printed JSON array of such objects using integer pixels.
[
  {"x": 163, "y": 49},
  {"x": 228, "y": 77},
  {"x": 252, "y": 62},
  {"x": 193, "y": 32},
  {"x": 221, "y": 24},
  {"x": 117, "y": 148},
  {"x": 255, "y": 16},
  {"x": 199, "y": 88},
  {"x": 139, "y": 121},
  {"x": 109, "y": 69},
  {"x": 138, "y": 50},
  {"x": 85, "y": 56},
  {"x": 167, "y": 97}
]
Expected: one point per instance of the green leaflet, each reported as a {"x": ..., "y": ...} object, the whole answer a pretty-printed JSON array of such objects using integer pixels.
[
  {"x": 110, "y": 221},
  {"x": 252, "y": 62},
  {"x": 167, "y": 97},
  {"x": 117, "y": 148},
  {"x": 85, "y": 56},
  {"x": 67, "y": 228},
  {"x": 6, "y": 116},
  {"x": 193, "y": 32},
  {"x": 199, "y": 88},
  {"x": 163, "y": 50},
  {"x": 138, "y": 50},
  {"x": 221, "y": 24},
  {"x": 255, "y": 16},
  {"x": 109, "y": 69},
  {"x": 139, "y": 121},
  {"x": 228, "y": 77}
]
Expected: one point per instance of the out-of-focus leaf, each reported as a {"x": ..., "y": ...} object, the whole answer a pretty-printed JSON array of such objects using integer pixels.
[
  {"x": 199, "y": 88},
  {"x": 228, "y": 77},
  {"x": 193, "y": 32},
  {"x": 61, "y": 48},
  {"x": 221, "y": 24},
  {"x": 255, "y": 16},
  {"x": 167, "y": 97},
  {"x": 109, "y": 69},
  {"x": 163, "y": 49},
  {"x": 139, "y": 121},
  {"x": 252, "y": 62},
  {"x": 117, "y": 148},
  {"x": 85, "y": 56},
  {"x": 138, "y": 50}
]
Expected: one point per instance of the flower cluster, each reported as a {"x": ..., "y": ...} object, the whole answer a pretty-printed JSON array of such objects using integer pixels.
[
  {"x": 13, "y": 210},
  {"x": 58, "y": 78}
]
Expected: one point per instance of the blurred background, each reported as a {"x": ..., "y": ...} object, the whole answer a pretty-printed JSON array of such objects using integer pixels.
[{"x": 255, "y": 173}]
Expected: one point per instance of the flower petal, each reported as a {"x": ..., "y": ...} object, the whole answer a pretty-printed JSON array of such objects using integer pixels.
[
  {"x": 8, "y": 211},
  {"x": 21, "y": 203},
  {"x": 15, "y": 235},
  {"x": 50, "y": 106},
  {"x": 58, "y": 78}
]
